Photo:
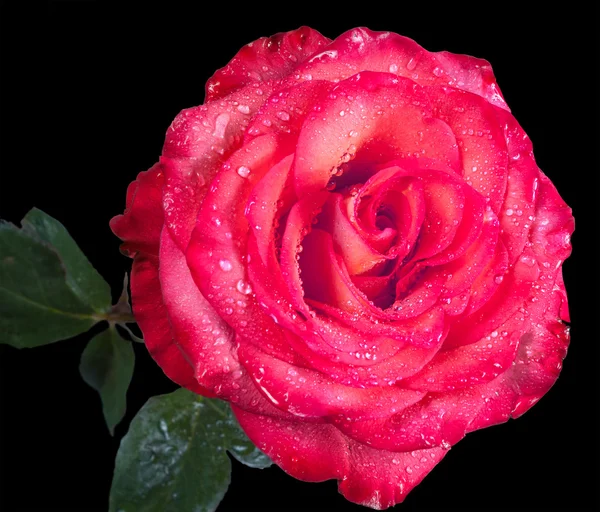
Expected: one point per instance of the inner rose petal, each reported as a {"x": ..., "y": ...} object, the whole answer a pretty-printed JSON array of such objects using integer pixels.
[
  {"x": 372, "y": 117},
  {"x": 358, "y": 256}
]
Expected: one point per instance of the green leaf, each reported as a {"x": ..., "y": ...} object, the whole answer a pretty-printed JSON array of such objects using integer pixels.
[
  {"x": 37, "y": 304},
  {"x": 107, "y": 366},
  {"x": 173, "y": 457},
  {"x": 83, "y": 279}
]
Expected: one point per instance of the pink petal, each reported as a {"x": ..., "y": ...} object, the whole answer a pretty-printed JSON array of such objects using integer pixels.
[
  {"x": 197, "y": 144},
  {"x": 327, "y": 283},
  {"x": 141, "y": 223},
  {"x": 370, "y": 118},
  {"x": 205, "y": 339},
  {"x": 480, "y": 139},
  {"x": 518, "y": 208},
  {"x": 285, "y": 110},
  {"x": 313, "y": 453},
  {"x": 361, "y": 49},
  {"x": 151, "y": 315},
  {"x": 298, "y": 225},
  {"x": 358, "y": 255},
  {"x": 304, "y": 392},
  {"x": 268, "y": 58}
]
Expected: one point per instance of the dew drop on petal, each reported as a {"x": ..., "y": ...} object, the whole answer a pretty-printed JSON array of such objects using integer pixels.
[
  {"x": 243, "y": 287},
  {"x": 243, "y": 171},
  {"x": 221, "y": 123},
  {"x": 225, "y": 265},
  {"x": 528, "y": 260}
]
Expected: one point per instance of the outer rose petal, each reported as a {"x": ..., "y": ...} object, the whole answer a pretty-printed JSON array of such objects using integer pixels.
[
  {"x": 313, "y": 453},
  {"x": 268, "y": 58},
  {"x": 533, "y": 373},
  {"x": 361, "y": 49},
  {"x": 151, "y": 315},
  {"x": 197, "y": 327},
  {"x": 139, "y": 227},
  {"x": 197, "y": 143}
]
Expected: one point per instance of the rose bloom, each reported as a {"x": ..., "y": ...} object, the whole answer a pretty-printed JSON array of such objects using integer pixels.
[{"x": 350, "y": 241}]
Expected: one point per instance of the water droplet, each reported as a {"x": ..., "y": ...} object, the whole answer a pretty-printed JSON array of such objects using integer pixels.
[
  {"x": 284, "y": 116},
  {"x": 221, "y": 123},
  {"x": 393, "y": 68},
  {"x": 243, "y": 287},
  {"x": 225, "y": 265},
  {"x": 528, "y": 260},
  {"x": 243, "y": 171},
  {"x": 498, "y": 279},
  {"x": 412, "y": 63},
  {"x": 244, "y": 109}
]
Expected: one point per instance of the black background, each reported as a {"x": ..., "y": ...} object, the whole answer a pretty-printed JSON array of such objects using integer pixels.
[{"x": 88, "y": 90}]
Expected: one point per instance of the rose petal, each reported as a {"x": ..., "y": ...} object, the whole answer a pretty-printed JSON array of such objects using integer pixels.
[
  {"x": 534, "y": 371},
  {"x": 480, "y": 139},
  {"x": 141, "y": 223},
  {"x": 197, "y": 143},
  {"x": 371, "y": 117},
  {"x": 298, "y": 225},
  {"x": 472, "y": 364},
  {"x": 285, "y": 111},
  {"x": 329, "y": 283},
  {"x": 361, "y": 49},
  {"x": 216, "y": 254},
  {"x": 151, "y": 316},
  {"x": 518, "y": 208},
  {"x": 382, "y": 479},
  {"x": 508, "y": 296},
  {"x": 305, "y": 392},
  {"x": 358, "y": 256},
  {"x": 267, "y": 58},
  {"x": 458, "y": 275},
  {"x": 409, "y": 220},
  {"x": 314, "y": 453},
  {"x": 204, "y": 337}
]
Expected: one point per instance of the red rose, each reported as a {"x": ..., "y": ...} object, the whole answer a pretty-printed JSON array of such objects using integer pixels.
[{"x": 351, "y": 242}]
